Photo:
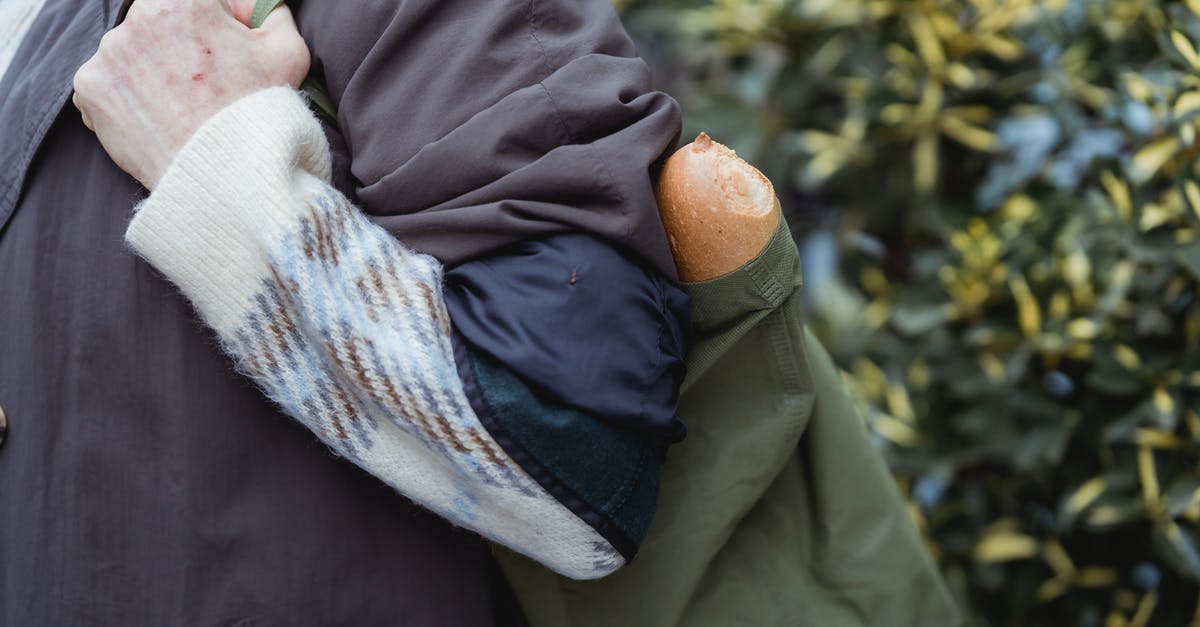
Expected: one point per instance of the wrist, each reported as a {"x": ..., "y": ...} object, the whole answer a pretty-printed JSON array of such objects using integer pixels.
[{"x": 238, "y": 182}]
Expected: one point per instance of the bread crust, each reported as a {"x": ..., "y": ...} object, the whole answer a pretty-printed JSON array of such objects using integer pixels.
[{"x": 719, "y": 211}]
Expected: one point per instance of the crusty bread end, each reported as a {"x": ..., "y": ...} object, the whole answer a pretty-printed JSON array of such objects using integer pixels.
[{"x": 719, "y": 211}]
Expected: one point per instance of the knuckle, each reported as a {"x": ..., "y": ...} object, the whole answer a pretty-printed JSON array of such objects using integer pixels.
[
  {"x": 300, "y": 59},
  {"x": 84, "y": 78},
  {"x": 289, "y": 55},
  {"x": 113, "y": 39}
]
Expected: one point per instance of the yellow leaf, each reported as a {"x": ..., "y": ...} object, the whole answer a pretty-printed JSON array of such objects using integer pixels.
[
  {"x": 1060, "y": 306},
  {"x": 871, "y": 377},
  {"x": 1096, "y": 577},
  {"x": 1186, "y": 105},
  {"x": 1137, "y": 86},
  {"x": 817, "y": 141},
  {"x": 1145, "y": 609},
  {"x": 1163, "y": 402},
  {"x": 1051, "y": 589},
  {"x": 999, "y": 272},
  {"x": 918, "y": 374},
  {"x": 927, "y": 42},
  {"x": 1029, "y": 315},
  {"x": 1185, "y": 48},
  {"x": 1118, "y": 192},
  {"x": 899, "y": 55},
  {"x": 1056, "y": 556},
  {"x": 1193, "y": 423},
  {"x": 1121, "y": 275},
  {"x": 1005, "y": 48},
  {"x": 1083, "y": 329},
  {"x": 1005, "y": 546},
  {"x": 873, "y": 280},
  {"x": 925, "y": 162},
  {"x": 1077, "y": 268},
  {"x": 968, "y": 135},
  {"x": 898, "y": 403},
  {"x": 960, "y": 75},
  {"x": 896, "y": 113},
  {"x": 895, "y": 431},
  {"x": 824, "y": 165},
  {"x": 1148, "y": 475},
  {"x": 1081, "y": 351},
  {"x": 1154, "y": 215},
  {"x": 1085, "y": 495},
  {"x": 992, "y": 367},
  {"x": 1157, "y": 439},
  {"x": 1194, "y": 5},
  {"x": 877, "y": 313},
  {"x": 1020, "y": 208},
  {"x": 944, "y": 26},
  {"x": 975, "y": 114},
  {"x": 1151, "y": 158},
  {"x": 1103, "y": 515},
  {"x": 1126, "y": 356}
]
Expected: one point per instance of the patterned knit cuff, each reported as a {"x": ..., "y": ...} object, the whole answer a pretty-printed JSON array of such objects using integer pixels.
[{"x": 234, "y": 187}]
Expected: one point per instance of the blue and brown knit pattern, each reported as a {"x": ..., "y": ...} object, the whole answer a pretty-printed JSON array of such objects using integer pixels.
[{"x": 350, "y": 330}]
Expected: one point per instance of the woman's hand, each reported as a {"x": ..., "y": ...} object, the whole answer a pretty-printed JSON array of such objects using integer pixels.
[{"x": 171, "y": 65}]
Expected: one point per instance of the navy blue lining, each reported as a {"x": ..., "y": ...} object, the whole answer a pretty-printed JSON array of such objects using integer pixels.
[{"x": 583, "y": 325}]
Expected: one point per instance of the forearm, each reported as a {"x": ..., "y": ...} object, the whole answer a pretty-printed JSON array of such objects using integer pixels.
[{"x": 341, "y": 325}]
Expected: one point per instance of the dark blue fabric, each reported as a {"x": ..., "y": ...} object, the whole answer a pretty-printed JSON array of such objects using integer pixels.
[
  {"x": 604, "y": 474},
  {"x": 582, "y": 324}
]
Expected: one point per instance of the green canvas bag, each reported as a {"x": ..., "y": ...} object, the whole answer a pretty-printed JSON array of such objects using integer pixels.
[{"x": 775, "y": 510}]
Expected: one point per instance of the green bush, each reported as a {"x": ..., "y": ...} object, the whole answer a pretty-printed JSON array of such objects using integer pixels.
[{"x": 1009, "y": 276}]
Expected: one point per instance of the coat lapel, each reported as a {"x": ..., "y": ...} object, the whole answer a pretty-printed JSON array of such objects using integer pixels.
[{"x": 38, "y": 84}]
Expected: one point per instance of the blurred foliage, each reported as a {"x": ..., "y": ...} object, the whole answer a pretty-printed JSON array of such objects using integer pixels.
[{"x": 999, "y": 210}]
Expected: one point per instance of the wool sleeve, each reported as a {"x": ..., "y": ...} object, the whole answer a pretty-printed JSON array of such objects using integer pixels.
[{"x": 342, "y": 325}]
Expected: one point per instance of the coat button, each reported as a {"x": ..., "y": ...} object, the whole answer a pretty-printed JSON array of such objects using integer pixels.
[{"x": 3, "y": 426}]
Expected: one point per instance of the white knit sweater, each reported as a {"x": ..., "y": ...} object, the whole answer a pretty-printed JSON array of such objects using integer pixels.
[{"x": 340, "y": 324}]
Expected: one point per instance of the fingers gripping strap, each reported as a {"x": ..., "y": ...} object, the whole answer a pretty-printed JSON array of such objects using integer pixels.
[{"x": 317, "y": 95}]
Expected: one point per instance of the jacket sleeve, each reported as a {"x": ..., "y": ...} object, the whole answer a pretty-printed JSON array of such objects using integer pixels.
[
  {"x": 345, "y": 327},
  {"x": 510, "y": 119}
]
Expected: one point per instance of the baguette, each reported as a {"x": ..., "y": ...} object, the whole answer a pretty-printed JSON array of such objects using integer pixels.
[{"x": 719, "y": 212}]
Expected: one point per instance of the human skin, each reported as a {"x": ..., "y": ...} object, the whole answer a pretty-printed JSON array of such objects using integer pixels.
[{"x": 171, "y": 65}]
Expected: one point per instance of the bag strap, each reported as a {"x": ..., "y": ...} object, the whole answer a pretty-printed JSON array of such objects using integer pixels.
[{"x": 318, "y": 96}]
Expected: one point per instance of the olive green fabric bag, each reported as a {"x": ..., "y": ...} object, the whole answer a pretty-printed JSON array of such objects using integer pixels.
[{"x": 775, "y": 510}]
